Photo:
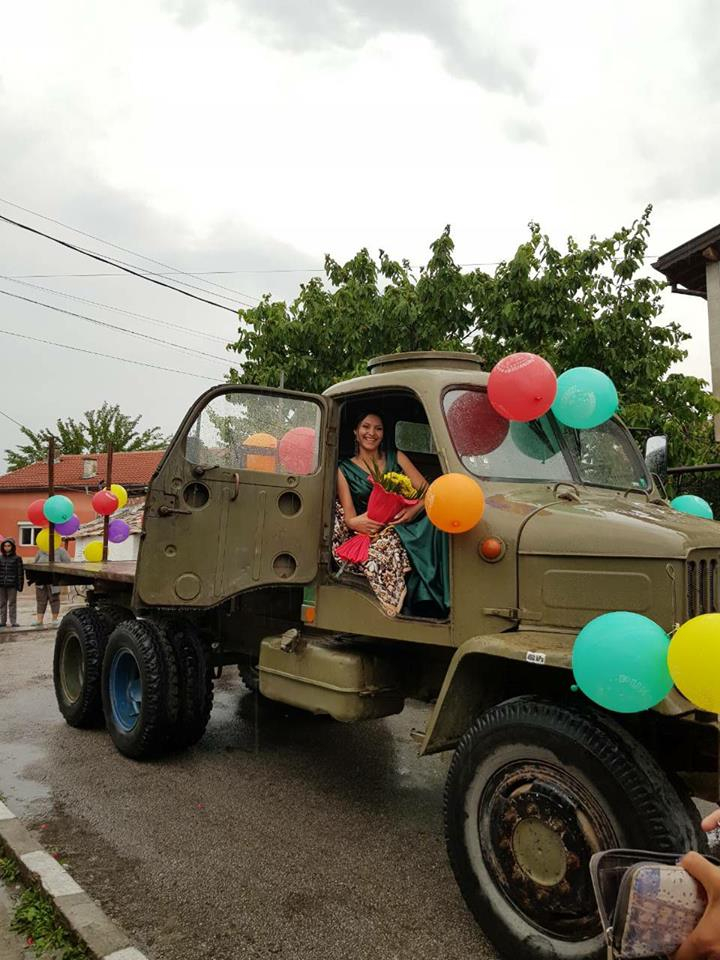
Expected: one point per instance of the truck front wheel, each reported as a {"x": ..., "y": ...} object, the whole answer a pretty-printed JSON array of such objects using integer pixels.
[{"x": 534, "y": 789}]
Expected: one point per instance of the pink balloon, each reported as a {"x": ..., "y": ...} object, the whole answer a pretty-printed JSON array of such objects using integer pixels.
[
  {"x": 297, "y": 450},
  {"x": 522, "y": 386},
  {"x": 105, "y": 503}
]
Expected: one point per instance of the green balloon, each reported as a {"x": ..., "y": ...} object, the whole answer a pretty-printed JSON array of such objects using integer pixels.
[
  {"x": 585, "y": 398},
  {"x": 620, "y": 661},
  {"x": 689, "y": 503},
  {"x": 535, "y": 439}
]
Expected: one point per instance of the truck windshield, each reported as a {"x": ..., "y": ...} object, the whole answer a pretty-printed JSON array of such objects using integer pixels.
[{"x": 492, "y": 447}]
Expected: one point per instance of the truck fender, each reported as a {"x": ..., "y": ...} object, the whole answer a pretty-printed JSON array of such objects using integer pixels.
[{"x": 488, "y": 669}]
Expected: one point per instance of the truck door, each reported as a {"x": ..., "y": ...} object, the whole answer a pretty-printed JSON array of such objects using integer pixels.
[{"x": 242, "y": 499}]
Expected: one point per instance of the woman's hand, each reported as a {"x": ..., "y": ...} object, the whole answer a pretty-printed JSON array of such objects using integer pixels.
[
  {"x": 704, "y": 942},
  {"x": 407, "y": 514},
  {"x": 363, "y": 524},
  {"x": 711, "y": 821}
]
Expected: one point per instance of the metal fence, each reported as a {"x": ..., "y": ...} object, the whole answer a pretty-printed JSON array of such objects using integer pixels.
[{"x": 702, "y": 480}]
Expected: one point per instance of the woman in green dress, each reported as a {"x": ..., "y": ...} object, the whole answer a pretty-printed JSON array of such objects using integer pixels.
[{"x": 407, "y": 567}]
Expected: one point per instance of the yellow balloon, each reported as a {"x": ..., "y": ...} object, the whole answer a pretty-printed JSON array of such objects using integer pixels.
[
  {"x": 42, "y": 541},
  {"x": 694, "y": 661},
  {"x": 93, "y": 551},
  {"x": 121, "y": 493}
]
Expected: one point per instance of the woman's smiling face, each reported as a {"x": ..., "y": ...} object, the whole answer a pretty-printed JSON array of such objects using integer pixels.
[{"x": 369, "y": 434}]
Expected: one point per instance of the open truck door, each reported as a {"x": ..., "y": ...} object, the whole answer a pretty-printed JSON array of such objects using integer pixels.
[{"x": 242, "y": 499}]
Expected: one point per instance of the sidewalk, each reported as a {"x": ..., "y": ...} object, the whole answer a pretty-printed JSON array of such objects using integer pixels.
[{"x": 26, "y": 616}]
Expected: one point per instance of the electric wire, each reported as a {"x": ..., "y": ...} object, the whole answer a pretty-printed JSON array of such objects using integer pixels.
[
  {"x": 110, "y": 262},
  {"x": 117, "y": 246},
  {"x": 113, "y": 326},
  {"x": 107, "y": 356},
  {"x": 11, "y": 419},
  {"x": 107, "y": 306}
]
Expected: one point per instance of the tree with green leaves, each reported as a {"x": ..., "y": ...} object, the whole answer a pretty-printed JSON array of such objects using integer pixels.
[
  {"x": 91, "y": 434},
  {"x": 590, "y": 305}
]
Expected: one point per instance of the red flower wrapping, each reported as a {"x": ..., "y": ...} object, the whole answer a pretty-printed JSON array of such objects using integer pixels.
[{"x": 382, "y": 507}]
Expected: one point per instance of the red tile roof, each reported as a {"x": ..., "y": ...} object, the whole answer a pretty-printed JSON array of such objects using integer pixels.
[
  {"x": 131, "y": 513},
  {"x": 133, "y": 469}
]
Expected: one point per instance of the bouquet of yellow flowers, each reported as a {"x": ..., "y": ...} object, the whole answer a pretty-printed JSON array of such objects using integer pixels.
[{"x": 391, "y": 492}]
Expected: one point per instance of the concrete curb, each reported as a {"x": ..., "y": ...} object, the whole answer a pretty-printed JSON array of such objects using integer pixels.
[{"x": 80, "y": 914}]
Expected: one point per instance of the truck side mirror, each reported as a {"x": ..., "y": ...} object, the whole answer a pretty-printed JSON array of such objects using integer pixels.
[{"x": 656, "y": 456}]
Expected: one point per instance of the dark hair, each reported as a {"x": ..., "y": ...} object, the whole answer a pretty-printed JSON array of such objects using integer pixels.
[{"x": 367, "y": 413}]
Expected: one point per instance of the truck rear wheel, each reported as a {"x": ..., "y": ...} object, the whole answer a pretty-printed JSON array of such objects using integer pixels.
[
  {"x": 533, "y": 790},
  {"x": 77, "y": 664},
  {"x": 195, "y": 685},
  {"x": 113, "y": 614},
  {"x": 134, "y": 689}
]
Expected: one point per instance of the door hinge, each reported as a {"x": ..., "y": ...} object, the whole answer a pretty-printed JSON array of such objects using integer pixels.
[{"x": 510, "y": 613}]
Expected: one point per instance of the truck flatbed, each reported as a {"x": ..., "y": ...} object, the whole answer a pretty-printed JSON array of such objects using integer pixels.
[{"x": 114, "y": 571}]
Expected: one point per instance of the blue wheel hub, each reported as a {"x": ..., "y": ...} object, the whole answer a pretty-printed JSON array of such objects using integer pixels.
[{"x": 125, "y": 687}]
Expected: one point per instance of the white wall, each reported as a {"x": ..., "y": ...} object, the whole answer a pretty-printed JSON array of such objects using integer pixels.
[{"x": 127, "y": 550}]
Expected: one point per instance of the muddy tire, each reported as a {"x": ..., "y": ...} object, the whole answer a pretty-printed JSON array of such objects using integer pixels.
[
  {"x": 250, "y": 677},
  {"x": 534, "y": 789},
  {"x": 77, "y": 666},
  {"x": 195, "y": 684},
  {"x": 113, "y": 615},
  {"x": 134, "y": 689}
]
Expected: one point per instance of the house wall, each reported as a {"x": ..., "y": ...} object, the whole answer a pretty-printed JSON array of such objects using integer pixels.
[
  {"x": 127, "y": 550},
  {"x": 13, "y": 511}
]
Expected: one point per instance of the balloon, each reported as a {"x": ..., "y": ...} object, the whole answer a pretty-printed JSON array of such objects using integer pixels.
[
  {"x": 297, "y": 450},
  {"x": 454, "y": 503},
  {"x": 535, "y": 439},
  {"x": 104, "y": 503},
  {"x": 585, "y": 398},
  {"x": 620, "y": 661},
  {"x": 475, "y": 427},
  {"x": 257, "y": 458},
  {"x": 522, "y": 386},
  {"x": 58, "y": 509},
  {"x": 42, "y": 541},
  {"x": 36, "y": 513},
  {"x": 694, "y": 659},
  {"x": 68, "y": 528},
  {"x": 118, "y": 531},
  {"x": 696, "y": 506},
  {"x": 121, "y": 493},
  {"x": 93, "y": 551}
]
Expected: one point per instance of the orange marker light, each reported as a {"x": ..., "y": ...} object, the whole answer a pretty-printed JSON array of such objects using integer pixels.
[{"x": 492, "y": 548}]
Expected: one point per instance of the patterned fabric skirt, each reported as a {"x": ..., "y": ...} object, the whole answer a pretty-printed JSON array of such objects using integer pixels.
[{"x": 385, "y": 568}]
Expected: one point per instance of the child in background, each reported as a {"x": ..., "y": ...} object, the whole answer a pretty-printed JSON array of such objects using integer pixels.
[
  {"x": 47, "y": 594},
  {"x": 11, "y": 582}
]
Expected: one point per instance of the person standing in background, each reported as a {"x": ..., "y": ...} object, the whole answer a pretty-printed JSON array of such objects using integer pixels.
[
  {"x": 11, "y": 582},
  {"x": 48, "y": 594}
]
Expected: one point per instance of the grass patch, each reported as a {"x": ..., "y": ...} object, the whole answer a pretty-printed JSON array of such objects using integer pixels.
[
  {"x": 9, "y": 871},
  {"x": 36, "y": 920}
]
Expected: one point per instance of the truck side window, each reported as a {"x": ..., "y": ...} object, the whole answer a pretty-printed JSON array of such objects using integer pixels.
[
  {"x": 259, "y": 431},
  {"x": 492, "y": 447}
]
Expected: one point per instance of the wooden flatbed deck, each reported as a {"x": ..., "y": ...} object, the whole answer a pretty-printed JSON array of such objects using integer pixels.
[{"x": 114, "y": 571}]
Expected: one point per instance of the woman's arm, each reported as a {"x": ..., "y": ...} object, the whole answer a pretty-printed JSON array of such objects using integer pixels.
[{"x": 356, "y": 523}]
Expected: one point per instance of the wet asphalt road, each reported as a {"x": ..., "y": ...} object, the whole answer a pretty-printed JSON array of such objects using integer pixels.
[{"x": 277, "y": 836}]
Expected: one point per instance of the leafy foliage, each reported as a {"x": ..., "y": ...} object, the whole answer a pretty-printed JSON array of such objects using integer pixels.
[
  {"x": 35, "y": 919},
  {"x": 589, "y": 306},
  {"x": 88, "y": 435}
]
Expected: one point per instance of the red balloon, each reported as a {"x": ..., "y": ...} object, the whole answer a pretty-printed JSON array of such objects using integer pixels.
[
  {"x": 475, "y": 427},
  {"x": 297, "y": 450},
  {"x": 105, "y": 503},
  {"x": 36, "y": 514},
  {"x": 522, "y": 386}
]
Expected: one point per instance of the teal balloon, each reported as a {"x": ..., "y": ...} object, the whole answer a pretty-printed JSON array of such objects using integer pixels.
[
  {"x": 620, "y": 662},
  {"x": 535, "y": 439},
  {"x": 688, "y": 503},
  {"x": 58, "y": 509},
  {"x": 585, "y": 398}
]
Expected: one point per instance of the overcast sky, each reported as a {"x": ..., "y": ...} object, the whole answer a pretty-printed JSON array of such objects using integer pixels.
[{"x": 254, "y": 136}]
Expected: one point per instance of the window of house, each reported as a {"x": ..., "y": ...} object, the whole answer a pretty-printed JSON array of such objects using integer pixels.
[{"x": 28, "y": 534}]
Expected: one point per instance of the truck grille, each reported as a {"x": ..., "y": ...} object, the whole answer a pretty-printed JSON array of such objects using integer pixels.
[{"x": 701, "y": 583}]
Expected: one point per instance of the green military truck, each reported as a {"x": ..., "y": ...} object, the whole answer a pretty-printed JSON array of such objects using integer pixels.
[{"x": 235, "y": 567}]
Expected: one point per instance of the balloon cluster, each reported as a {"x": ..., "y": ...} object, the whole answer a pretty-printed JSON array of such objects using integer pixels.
[
  {"x": 627, "y": 663},
  {"x": 106, "y": 502},
  {"x": 60, "y": 511}
]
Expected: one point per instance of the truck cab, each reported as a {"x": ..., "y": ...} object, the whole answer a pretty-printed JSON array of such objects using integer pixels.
[{"x": 236, "y": 567}]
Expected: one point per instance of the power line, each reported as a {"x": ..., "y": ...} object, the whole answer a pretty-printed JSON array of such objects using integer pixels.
[
  {"x": 11, "y": 419},
  {"x": 96, "y": 256},
  {"x": 113, "y": 326},
  {"x": 116, "y": 246},
  {"x": 107, "y": 306},
  {"x": 107, "y": 356}
]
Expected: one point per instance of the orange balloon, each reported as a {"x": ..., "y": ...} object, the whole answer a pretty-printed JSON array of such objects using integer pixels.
[{"x": 454, "y": 503}]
